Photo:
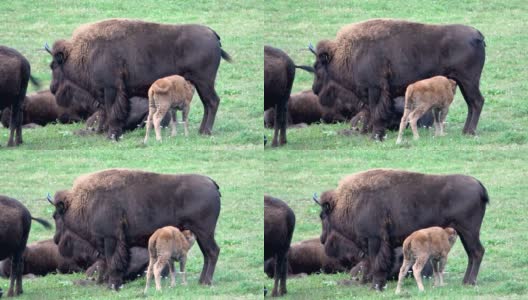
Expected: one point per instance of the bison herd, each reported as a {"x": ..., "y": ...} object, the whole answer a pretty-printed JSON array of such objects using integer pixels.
[
  {"x": 103, "y": 225},
  {"x": 367, "y": 220},
  {"x": 106, "y": 64},
  {"x": 370, "y": 64}
]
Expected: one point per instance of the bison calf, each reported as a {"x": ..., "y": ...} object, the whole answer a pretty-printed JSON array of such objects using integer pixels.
[
  {"x": 434, "y": 244},
  {"x": 14, "y": 230},
  {"x": 436, "y": 94},
  {"x": 169, "y": 93},
  {"x": 279, "y": 223},
  {"x": 166, "y": 245}
]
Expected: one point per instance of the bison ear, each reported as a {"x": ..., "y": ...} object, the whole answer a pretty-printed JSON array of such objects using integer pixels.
[
  {"x": 324, "y": 58},
  {"x": 61, "y": 209},
  {"x": 59, "y": 58}
]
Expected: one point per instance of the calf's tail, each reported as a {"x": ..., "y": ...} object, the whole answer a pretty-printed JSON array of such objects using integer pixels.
[{"x": 34, "y": 81}]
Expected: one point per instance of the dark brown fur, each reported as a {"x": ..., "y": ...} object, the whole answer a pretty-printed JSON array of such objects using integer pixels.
[
  {"x": 116, "y": 59},
  {"x": 41, "y": 258},
  {"x": 117, "y": 209},
  {"x": 15, "y": 223},
  {"x": 279, "y": 224},
  {"x": 308, "y": 257},
  {"x": 404, "y": 202},
  {"x": 41, "y": 108},
  {"x": 15, "y": 73},
  {"x": 377, "y": 59}
]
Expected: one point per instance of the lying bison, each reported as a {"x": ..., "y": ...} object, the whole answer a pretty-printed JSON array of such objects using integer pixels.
[
  {"x": 379, "y": 208},
  {"x": 308, "y": 257},
  {"x": 15, "y": 223},
  {"x": 304, "y": 107},
  {"x": 136, "y": 118},
  {"x": 117, "y": 209},
  {"x": 116, "y": 59},
  {"x": 279, "y": 223},
  {"x": 377, "y": 59},
  {"x": 15, "y": 72},
  {"x": 41, "y": 258},
  {"x": 279, "y": 73},
  {"x": 41, "y": 108}
]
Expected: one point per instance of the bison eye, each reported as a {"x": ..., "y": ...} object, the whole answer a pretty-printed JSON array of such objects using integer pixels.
[{"x": 326, "y": 208}]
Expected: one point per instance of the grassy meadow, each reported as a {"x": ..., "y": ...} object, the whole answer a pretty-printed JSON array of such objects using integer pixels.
[
  {"x": 314, "y": 159},
  {"x": 317, "y": 157}
]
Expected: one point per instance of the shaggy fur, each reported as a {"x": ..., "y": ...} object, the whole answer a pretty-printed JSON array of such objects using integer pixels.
[
  {"x": 377, "y": 209},
  {"x": 434, "y": 94},
  {"x": 117, "y": 209},
  {"x": 377, "y": 59},
  {"x": 169, "y": 94},
  {"x": 279, "y": 224},
  {"x": 434, "y": 244},
  {"x": 116, "y": 59},
  {"x": 166, "y": 245}
]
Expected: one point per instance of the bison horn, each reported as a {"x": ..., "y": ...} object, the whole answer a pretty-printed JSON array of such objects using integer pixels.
[
  {"x": 312, "y": 49},
  {"x": 50, "y": 200},
  {"x": 47, "y": 48},
  {"x": 316, "y": 199}
]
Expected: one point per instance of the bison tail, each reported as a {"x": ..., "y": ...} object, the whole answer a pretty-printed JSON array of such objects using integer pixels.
[
  {"x": 225, "y": 55},
  {"x": 306, "y": 68},
  {"x": 34, "y": 81},
  {"x": 43, "y": 222},
  {"x": 484, "y": 193},
  {"x": 217, "y": 187}
]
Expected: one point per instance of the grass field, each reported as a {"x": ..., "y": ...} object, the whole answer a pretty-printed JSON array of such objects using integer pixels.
[
  {"x": 314, "y": 159},
  {"x": 317, "y": 157}
]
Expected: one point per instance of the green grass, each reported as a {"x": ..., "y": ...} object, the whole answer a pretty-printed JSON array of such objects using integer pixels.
[
  {"x": 317, "y": 157},
  {"x": 314, "y": 159}
]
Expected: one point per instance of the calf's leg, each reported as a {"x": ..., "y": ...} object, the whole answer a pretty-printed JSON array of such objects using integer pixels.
[
  {"x": 406, "y": 265},
  {"x": 173, "y": 122},
  {"x": 417, "y": 270},
  {"x": 183, "y": 260},
  {"x": 149, "y": 273},
  {"x": 403, "y": 124}
]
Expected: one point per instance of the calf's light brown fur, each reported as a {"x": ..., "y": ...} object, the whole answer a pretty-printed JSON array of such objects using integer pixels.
[
  {"x": 434, "y": 244},
  {"x": 166, "y": 245},
  {"x": 436, "y": 94},
  {"x": 169, "y": 93}
]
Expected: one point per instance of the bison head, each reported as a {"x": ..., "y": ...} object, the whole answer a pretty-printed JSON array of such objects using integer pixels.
[
  {"x": 323, "y": 57},
  {"x": 326, "y": 209},
  {"x": 59, "y": 53},
  {"x": 60, "y": 209}
]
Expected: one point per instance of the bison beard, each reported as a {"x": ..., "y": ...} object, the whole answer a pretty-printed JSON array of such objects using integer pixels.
[
  {"x": 116, "y": 218},
  {"x": 146, "y": 51},
  {"x": 374, "y": 209},
  {"x": 366, "y": 58}
]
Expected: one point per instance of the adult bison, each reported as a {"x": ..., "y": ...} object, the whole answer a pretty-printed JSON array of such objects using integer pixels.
[
  {"x": 15, "y": 72},
  {"x": 279, "y": 224},
  {"x": 116, "y": 59},
  {"x": 378, "y": 58},
  {"x": 379, "y": 208},
  {"x": 41, "y": 108},
  {"x": 15, "y": 223},
  {"x": 279, "y": 73},
  {"x": 117, "y": 209}
]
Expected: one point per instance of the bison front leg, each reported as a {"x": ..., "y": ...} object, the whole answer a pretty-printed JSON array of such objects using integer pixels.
[
  {"x": 380, "y": 255},
  {"x": 117, "y": 260},
  {"x": 379, "y": 106},
  {"x": 117, "y": 109}
]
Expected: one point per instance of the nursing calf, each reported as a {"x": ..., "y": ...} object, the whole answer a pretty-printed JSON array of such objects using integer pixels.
[
  {"x": 430, "y": 244},
  {"x": 436, "y": 94},
  {"x": 169, "y": 94}
]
